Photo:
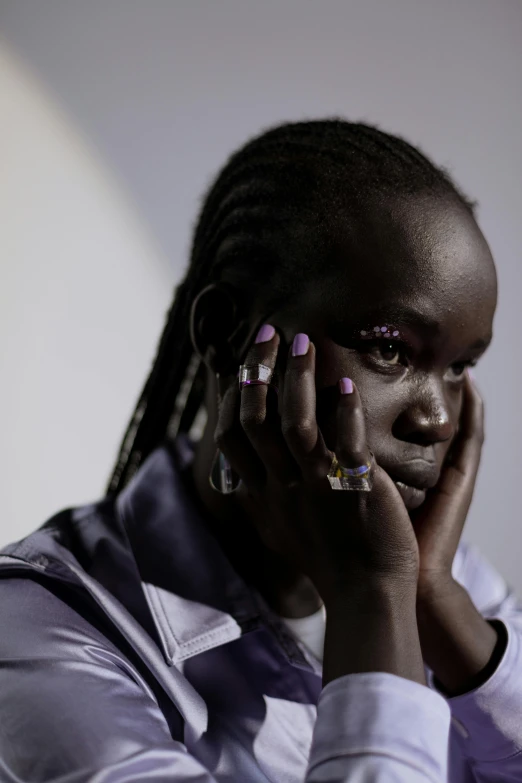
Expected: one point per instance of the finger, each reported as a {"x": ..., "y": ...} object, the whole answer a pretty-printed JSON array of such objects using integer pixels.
[
  {"x": 351, "y": 446},
  {"x": 466, "y": 450},
  {"x": 231, "y": 439},
  {"x": 298, "y": 417},
  {"x": 473, "y": 412},
  {"x": 259, "y": 417},
  {"x": 449, "y": 501}
]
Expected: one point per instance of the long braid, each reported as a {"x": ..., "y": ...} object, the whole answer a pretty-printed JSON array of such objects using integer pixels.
[
  {"x": 262, "y": 185},
  {"x": 161, "y": 380}
]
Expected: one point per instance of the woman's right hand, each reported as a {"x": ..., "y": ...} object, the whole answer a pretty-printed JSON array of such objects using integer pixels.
[{"x": 339, "y": 539}]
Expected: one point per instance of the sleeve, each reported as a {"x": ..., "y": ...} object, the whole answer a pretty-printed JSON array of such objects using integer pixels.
[
  {"x": 72, "y": 707},
  {"x": 490, "y": 716},
  {"x": 379, "y": 727}
]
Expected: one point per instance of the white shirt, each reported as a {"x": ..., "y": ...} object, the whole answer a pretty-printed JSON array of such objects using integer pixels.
[{"x": 309, "y": 630}]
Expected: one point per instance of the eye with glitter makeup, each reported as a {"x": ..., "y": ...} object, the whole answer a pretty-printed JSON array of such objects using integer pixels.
[
  {"x": 388, "y": 340},
  {"x": 383, "y": 344}
]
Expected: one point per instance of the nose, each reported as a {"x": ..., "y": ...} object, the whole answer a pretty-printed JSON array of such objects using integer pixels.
[{"x": 429, "y": 417}]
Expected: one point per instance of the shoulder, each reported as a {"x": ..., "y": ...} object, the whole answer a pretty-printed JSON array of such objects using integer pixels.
[
  {"x": 73, "y": 534},
  {"x": 74, "y": 699},
  {"x": 40, "y": 598},
  {"x": 41, "y": 614}
]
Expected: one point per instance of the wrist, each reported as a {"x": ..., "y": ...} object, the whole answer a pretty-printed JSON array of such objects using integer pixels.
[
  {"x": 373, "y": 630},
  {"x": 382, "y": 593}
]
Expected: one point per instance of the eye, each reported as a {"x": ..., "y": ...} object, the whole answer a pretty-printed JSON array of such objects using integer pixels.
[
  {"x": 389, "y": 351},
  {"x": 461, "y": 368}
]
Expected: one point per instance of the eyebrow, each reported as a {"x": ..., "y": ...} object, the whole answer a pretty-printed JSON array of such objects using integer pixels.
[
  {"x": 410, "y": 316},
  {"x": 481, "y": 344}
]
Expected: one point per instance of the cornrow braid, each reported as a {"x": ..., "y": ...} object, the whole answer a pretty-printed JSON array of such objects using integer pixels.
[{"x": 268, "y": 190}]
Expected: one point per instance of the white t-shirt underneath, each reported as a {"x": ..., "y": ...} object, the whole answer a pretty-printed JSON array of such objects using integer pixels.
[{"x": 309, "y": 630}]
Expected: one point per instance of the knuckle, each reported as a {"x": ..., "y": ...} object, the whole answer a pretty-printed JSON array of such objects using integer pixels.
[
  {"x": 295, "y": 374},
  {"x": 296, "y": 430},
  {"x": 252, "y": 420},
  {"x": 262, "y": 353},
  {"x": 352, "y": 459},
  {"x": 317, "y": 470}
]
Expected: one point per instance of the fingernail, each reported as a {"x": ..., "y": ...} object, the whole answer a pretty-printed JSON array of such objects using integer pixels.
[
  {"x": 345, "y": 386},
  {"x": 265, "y": 333},
  {"x": 300, "y": 344},
  {"x": 471, "y": 375}
]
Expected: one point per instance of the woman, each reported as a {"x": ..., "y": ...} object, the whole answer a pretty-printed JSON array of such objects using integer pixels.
[{"x": 294, "y": 481}]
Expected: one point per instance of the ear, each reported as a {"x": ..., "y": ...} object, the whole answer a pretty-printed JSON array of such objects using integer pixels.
[{"x": 218, "y": 328}]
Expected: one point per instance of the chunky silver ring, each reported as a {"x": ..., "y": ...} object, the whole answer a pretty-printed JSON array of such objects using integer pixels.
[
  {"x": 361, "y": 478},
  {"x": 254, "y": 374}
]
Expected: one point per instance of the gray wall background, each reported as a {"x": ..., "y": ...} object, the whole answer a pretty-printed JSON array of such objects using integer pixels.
[{"x": 160, "y": 93}]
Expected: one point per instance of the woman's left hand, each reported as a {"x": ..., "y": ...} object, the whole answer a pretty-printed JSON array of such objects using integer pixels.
[{"x": 439, "y": 521}]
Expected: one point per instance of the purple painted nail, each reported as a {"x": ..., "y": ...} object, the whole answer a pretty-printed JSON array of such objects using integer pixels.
[
  {"x": 345, "y": 386},
  {"x": 265, "y": 333},
  {"x": 300, "y": 344}
]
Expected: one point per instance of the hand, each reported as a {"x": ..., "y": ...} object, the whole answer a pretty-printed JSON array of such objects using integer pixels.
[
  {"x": 339, "y": 539},
  {"x": 439, "y": 522}
]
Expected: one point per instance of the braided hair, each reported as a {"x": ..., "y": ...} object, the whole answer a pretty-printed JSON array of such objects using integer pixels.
[{"x": 270, "y": 214}]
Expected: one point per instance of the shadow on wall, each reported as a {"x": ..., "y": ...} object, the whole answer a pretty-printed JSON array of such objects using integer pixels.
[{"x": 78, "y": 267}]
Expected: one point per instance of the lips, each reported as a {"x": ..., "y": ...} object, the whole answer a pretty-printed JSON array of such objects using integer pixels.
[
  {"x": 424, "y": 477},
  {"x": 413, "y": 482},
  {"x": 412, "y": 497}
]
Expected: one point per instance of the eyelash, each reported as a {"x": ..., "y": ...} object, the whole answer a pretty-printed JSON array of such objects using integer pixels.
[{"x": 402, "y": 346}]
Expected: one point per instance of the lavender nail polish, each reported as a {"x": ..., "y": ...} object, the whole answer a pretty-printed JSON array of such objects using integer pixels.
[
  {"x": 265, "y": 333},
  {"x": 300, "y": 344},
  {"x": 345, "y": 386}
]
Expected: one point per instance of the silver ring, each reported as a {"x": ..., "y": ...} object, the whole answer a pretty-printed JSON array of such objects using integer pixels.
[
  {"x": 361, "y": 478},
  {"x": 254, "y": 374}
]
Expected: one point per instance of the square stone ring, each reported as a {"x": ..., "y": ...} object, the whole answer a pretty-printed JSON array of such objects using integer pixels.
[
  {"x": 254, "y": 374},
  {"x": 360, "y": 478},
  {"x": 340, "y": 477}
]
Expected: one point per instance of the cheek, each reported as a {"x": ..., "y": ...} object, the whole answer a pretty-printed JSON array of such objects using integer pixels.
[
  {"x": 378, "y": 420},
  {"x": 334, "y": 363}
]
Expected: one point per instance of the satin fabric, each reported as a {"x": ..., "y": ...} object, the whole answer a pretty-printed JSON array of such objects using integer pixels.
[{"x": 130, "y": 650}]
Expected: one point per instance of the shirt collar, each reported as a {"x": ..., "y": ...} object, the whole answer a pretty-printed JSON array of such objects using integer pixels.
[{"x": 196, "y": 597}]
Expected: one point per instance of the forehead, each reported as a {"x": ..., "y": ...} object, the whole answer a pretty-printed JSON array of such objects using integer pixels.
[{"x": 427, "y": 254}]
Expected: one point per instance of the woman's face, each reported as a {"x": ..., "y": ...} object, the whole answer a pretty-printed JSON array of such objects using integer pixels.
[{"x": 424, "y": 270}]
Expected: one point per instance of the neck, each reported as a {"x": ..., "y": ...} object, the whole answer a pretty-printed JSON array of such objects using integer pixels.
[{"x": 287, "y": 592}]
